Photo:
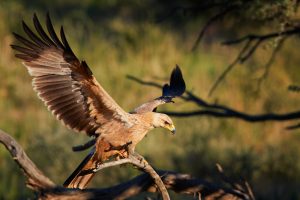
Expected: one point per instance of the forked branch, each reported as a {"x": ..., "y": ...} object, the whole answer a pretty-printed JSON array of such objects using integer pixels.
[{"x": 139, "y": 161}]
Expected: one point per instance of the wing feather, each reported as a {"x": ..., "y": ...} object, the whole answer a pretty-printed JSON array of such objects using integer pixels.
[
  {"x": 26, "y": 42},
  {"x": 66, "y": 85},
  {"x": 175, "y": 88},
  {"x": 61, "y": 104},
  {"x": 24, "y": 50},
  {"x": 41, "y": 31},
  {"x": 23, "y": 57},
  {"x": 52, "y": 33},
  {"x": 34, "y": 37}
]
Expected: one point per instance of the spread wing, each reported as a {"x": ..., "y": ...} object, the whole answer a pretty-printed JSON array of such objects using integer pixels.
[
  {"x": 174, "y": 89},
  {"x": 66, "y": 85}
]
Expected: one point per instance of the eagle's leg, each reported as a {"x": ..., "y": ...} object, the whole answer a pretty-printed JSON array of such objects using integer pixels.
[
  {"x": 120, "y": 151},
  {"x": 124, "y": 146},
  {"x": 125, "y": 152}
]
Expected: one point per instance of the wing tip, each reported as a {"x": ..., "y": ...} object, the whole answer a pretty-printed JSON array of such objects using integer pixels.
[
  {"x": 34, "y": 16},
  {"x": 44, "y": 38},
  {"x": 176, "y": 86},
  {"x": 177, "y": 70}
]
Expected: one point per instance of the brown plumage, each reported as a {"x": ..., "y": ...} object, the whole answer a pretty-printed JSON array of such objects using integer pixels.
[{"x": 73, "y": 95}]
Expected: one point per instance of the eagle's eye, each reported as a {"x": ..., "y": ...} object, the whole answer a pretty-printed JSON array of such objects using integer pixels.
[{"x": 167, "y": 123}]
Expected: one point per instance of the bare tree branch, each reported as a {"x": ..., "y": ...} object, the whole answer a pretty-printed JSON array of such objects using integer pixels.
[
  {"x": 270, "y": 61},
  {"x": 180, "y": 183},
  {"x": 292, "y": 127},
  {"x": 213, "y": 19},
  {"x": 294, "y": 31},
  {"x": 230, "y": 67},
  {"x": 218, "y": 110},
  {"x": 243, "y": 188},
  {"x": 252, "y": 43},
  {"x": 36, "y": 179},
  {"x": 294, "y": 88}
]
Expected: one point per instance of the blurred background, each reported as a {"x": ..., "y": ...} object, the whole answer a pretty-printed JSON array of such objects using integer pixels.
[{"x": 146, "y": 39}]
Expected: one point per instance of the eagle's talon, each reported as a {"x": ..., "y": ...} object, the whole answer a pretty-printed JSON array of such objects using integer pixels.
[
  {"x": 140, "y": 158},
  {"x": 144, "y": 162}
]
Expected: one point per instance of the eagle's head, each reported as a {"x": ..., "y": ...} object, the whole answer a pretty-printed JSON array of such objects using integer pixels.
[{"x": 163, "y": 121}]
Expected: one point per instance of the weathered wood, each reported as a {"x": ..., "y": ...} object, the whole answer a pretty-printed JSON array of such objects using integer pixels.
[
  {"x": 178, "y": 182},
  {"x": 36, "y": 179}
]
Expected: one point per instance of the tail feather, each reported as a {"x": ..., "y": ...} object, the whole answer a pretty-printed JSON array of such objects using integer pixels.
[{"x": 82, "y": 174}]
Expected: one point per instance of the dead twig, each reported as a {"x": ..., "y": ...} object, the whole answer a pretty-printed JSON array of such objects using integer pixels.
[
  {"x": 270, "y": 62},
  {"x": 253, "y": 41},
  {"x": 295, "y": 30},
  {"x": 238, "y": 59},
  {"x": 208, "y": 23}
]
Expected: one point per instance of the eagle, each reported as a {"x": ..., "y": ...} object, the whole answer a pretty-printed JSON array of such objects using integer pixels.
[{"x": 68, "y": 88}]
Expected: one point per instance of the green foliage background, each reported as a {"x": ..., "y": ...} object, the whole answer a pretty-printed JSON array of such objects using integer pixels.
[{"x": 119, "y": 38}]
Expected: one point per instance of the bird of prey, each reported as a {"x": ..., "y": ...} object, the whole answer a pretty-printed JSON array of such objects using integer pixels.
[{"x": 70, "y": 91}]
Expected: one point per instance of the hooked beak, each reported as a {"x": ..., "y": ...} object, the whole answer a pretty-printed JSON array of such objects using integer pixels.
[{"x": 172, "y": 129}]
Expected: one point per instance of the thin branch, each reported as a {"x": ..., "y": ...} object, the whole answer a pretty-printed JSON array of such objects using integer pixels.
[
  {"x": 209, "y": 23},
  {"x": 247, "y": 51},
  {"x": 140, "y": 162},
  {"x": 252, "y": 43},
  {"x": 250, "y": 51},
  {"x": 149, "y": 83},
  {"x": 229, "y": 68},
  {"x": 242, "y": 188},
  {"x": 295, "y": 30},
  {"x": 112, "y": 164},
  {"x": 292, "y": 127},
  {"x": 270, "y": 62}
]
